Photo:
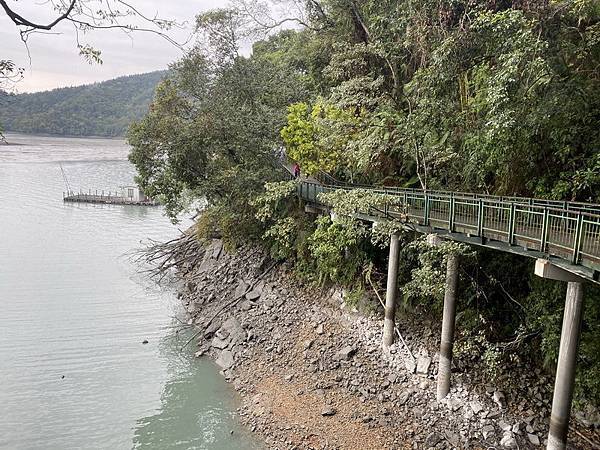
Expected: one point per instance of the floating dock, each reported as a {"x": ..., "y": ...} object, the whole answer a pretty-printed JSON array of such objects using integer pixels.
[{"x": 107, "y": 199}]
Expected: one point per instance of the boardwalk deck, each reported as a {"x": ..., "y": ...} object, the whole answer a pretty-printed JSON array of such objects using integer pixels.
[{"x": 568, "y": 233}]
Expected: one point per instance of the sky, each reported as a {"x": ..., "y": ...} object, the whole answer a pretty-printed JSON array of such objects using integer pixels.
[{"x": 54, "y": 60}]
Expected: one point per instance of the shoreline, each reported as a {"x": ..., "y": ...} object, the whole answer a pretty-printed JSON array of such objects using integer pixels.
[{"x": 311, "y": 372}]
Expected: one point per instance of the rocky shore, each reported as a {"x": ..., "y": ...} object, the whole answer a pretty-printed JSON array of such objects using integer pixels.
[{"x": 312, "y": 373}]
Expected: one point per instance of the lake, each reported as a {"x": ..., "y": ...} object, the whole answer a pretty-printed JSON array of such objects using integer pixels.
[{"x": 75, "y": 310}]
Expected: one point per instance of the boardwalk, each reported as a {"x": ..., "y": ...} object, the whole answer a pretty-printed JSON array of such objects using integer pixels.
[{"x": 568, "y": 233}]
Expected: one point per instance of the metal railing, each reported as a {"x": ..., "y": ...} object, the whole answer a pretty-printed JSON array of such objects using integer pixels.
[{"x": 567, "y": 230}]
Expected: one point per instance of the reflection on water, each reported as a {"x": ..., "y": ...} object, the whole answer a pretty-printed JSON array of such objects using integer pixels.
[
  {"x": 74, "y": 373},
  {"x": 196, "y": 420}
]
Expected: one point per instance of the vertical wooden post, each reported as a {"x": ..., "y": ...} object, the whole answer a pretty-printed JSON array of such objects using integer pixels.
[
  {"x": 565, "y": 370},
  {"x": 389, "y": 322},
  {"x": 448, "y": 322}
]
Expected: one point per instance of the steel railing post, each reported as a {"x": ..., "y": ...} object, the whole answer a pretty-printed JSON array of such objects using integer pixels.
[
  {"x": 511, "y": 224},
  {"x": 544, "y": 236},
  {"x": 451, "y": 214},
  {"x": 480, "y": 219},
  {"x": 426, "y": 212},
  {"x": 578, "y": 238}
]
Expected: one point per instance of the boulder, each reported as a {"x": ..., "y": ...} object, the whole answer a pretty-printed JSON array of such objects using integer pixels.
[
  {"x": 225, "y": 360},
  {"x": 234, "y": 330},
  {"x": 219, "y": 343},
  {"x": 240, "y": 289}
]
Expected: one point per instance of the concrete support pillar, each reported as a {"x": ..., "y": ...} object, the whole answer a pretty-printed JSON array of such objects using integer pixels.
[
  {"x": 565, "y": 370},
  {"x": 389, "y": 322},
  {"x": 448, "y": 322}
]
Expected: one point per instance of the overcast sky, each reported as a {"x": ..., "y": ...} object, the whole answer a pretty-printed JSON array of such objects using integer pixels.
[{"x": 55, "y": 60}]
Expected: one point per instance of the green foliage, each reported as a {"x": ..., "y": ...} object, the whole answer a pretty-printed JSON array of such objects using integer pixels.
[
  {"x": 307, "y": 139},
  {"x": 276, "y": 209},
  {"x": 427, "y": 283},
  {"x": 214, "y": 125},
  {"x": 336, "y": 248},
  {"x": 269, "y": 204},
  {"x": 99, "y": 109},
  {"x": 347, "y": 203}
]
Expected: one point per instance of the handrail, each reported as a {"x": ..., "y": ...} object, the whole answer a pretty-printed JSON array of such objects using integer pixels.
[{"x": 533, "y": 227}]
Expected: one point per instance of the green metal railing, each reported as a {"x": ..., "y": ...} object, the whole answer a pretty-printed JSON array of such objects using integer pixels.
[{"x": 569, "y": 231}]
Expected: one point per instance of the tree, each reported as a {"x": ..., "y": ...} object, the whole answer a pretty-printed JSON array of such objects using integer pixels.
[
  {"x": 86, "y": 15},
  {"x": 213, "y": 127}
]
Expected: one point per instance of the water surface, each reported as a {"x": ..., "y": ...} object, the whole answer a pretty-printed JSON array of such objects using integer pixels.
[{"x": 74, "y": 313}]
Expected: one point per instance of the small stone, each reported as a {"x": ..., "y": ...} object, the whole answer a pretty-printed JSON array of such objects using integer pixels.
[
  {"x": 145, "y": 341},
  {"x": 253, "y": 295},
  {"x": 219, "y": 343},
  {"x": 487, "y": 431},
  {"x": 508, "y": 441},
  {"x": 533, "y": 438},
  {"x": 199, "y": 353},
  {"x": 476, "y": 406},
  {"x": 423, "y": 363},
  {"x": 500, "y": 399},
  {"x": 320, "y": 329},
  {"x": 403, "y": 397},
  {"x": 504, "y": 426},
  {"x": 328, "y": 411},
  {"x": 409, "y": 365},
  {"x": 346, "y": 352},
  {"x": 246, "y": 305},
  {"x": 432, "y": 439},
  {"x": 307, "y": 344}
]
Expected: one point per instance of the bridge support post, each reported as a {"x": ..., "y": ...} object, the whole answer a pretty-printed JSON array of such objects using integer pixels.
[
  {"x": 389, "y": 322},
  {"x": 567, "y": 355},
  {"x": 448, "y": 323}
]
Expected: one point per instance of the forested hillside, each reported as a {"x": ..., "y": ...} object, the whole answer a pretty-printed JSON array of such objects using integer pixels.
[
  {"x": 499, "y": 97},
  {"x": 99, "y": 109}
]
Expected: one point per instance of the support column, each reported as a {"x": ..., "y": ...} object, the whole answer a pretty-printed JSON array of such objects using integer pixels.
[
  {"x": 389, "y": 322},
  {"x": 448, "y": 322},
  {"x": 565, "y": 370}
]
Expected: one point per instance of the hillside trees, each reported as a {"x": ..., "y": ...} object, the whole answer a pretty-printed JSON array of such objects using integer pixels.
[
  {"x": 99, "y": 109},
  {"x": 213, "y": 128},
  {"x": 462, "y": 95},
  {"x": 495, "y": 97}
]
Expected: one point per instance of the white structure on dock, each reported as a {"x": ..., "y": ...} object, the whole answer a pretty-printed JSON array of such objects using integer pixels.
[{"x": 134, "y": 194}]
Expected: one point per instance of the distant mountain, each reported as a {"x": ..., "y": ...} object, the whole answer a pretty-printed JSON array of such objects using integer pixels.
[{"x": 100, "y": 109}]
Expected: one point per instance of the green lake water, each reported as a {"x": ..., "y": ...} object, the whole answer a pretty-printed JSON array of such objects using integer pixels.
[{"x": 74, "y": 311}]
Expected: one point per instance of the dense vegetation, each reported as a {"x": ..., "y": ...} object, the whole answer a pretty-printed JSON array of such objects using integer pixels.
[
  {"x": 99, "y": 109},
  {"x": 499, "y": 97}
]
